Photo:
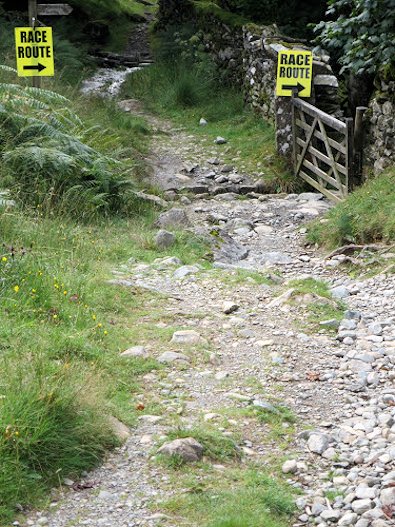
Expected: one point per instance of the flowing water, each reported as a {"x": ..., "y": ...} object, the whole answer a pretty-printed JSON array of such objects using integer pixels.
[{"x": 107, "y": 82}]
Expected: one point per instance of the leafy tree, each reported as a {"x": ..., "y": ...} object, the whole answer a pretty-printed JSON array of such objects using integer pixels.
[
  {"x": 293, "y": 16},
  {"x": 361, "y": 35}
]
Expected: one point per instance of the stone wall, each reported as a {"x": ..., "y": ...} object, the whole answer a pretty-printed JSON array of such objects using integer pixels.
[{"x": 381, "y": 131}]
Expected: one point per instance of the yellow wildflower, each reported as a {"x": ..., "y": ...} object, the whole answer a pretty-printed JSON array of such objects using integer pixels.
[
  {"x": 4, "y": 259},
  {"x": 16, "y": 288}
]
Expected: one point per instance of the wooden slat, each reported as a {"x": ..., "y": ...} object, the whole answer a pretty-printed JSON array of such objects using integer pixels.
[
  {"x": 307, "y": 143},
  {"x": 330, "y": 153},
  {"x": 321, "y": 189},
  {"x": 335, "y": 144},
  {"x": 322, "y": 157},
  {"x": 316, "y": 112},
  {"x": 323, "y": 175}
]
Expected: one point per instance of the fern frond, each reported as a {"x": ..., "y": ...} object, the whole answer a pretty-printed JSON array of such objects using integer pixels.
[{"x": 3, "y": 67}]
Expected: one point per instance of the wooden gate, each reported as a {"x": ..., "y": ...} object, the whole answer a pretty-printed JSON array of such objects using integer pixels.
[{"x": 323, "y": 150}]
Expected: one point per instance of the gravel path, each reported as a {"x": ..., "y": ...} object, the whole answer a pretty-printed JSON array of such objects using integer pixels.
[{"x": 339, "y": 379}]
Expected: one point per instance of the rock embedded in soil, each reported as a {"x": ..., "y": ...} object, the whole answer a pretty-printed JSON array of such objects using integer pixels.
[
  {"x": 169, "y": 357},
  {"x": 135, "y": 351},
  {"x": 229, "y": 307},
  {"x": 173, "y": 218},
  {"x": 187, "y": 449},
  {"x": 289, "y": 467},
  {"x": 187, "y": 336},
  {"x": 164, "y": 239},
  {"x": 120, "y": 430}
]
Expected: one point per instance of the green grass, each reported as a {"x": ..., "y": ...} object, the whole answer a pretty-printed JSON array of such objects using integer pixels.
[
  {"x": 310, "y": 286},
  {"x": 323, "y": 308},
  {"x": 238, "y": 498},
  {"x": 367, "y": 215}
]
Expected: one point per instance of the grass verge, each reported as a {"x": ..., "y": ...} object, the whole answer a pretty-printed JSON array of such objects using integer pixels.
[
  {"x": 365, "y": 216},
  {"x": 62, "y": 331}
]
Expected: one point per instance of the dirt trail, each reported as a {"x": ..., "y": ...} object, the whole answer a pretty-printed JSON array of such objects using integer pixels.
[{"x": 261, "y": 354}]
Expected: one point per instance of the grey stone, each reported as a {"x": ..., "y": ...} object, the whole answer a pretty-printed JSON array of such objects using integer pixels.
[
  {"x": 361, "y": 506},
  {"x": 176, "y": 218},
  {"x": 289, "y": 467},
  {"x": 135, "y": 351},
  {"x": 187, "y": 449},
  {"x": 226, "y": 249},
  {"x": 164, "y": 239},
  {"x": 169, "y": 357},
  {"x": 387, "y": 497},
  {"x": 340, "y": 292},
  {"x": 318, "y": 443},
  {"x": 349, "y": 519},
  {"x": 276, "y": 257},
  {"x": 330, "y": 515},
  {"x": 220, "y": 141},
  {"x": 187, "y": 336},
  {"x": 184, "y": 271},
  {"x": 203, "y": 122}
]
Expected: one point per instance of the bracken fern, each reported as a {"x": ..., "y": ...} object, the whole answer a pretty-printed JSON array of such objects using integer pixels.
[{"x": 47, "y": 161}]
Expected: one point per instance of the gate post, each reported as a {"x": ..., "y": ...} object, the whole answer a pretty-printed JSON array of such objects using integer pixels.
[
  {"x": 294, "y": 135},
  {"x": 350, "y": 154},
  {"x": 358, "y": 143}
]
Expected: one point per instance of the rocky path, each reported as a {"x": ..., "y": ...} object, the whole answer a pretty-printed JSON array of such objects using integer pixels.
[{"x": 247, "y": 342}]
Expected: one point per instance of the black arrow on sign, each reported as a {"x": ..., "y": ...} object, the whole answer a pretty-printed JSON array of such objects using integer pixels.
[
  {"x": 37, "y": 67},
  {"x": 299, "y": 87}
]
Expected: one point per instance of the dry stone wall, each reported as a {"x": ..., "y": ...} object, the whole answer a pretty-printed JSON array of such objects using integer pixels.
[{"x": 382, "y": 128}]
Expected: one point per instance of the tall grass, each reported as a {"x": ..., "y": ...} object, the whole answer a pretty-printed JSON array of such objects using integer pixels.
[
  {"x": 175, "y": 86},
  {"x": 52, "y": 426}
]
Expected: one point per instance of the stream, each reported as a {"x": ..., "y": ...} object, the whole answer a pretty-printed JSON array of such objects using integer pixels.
[{"x": 107, "y": 82}]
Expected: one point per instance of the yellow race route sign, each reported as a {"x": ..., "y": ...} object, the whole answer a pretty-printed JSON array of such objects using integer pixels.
[
  {"x": 294, "y": 70},
  {"x": 34, "y": 52}
]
